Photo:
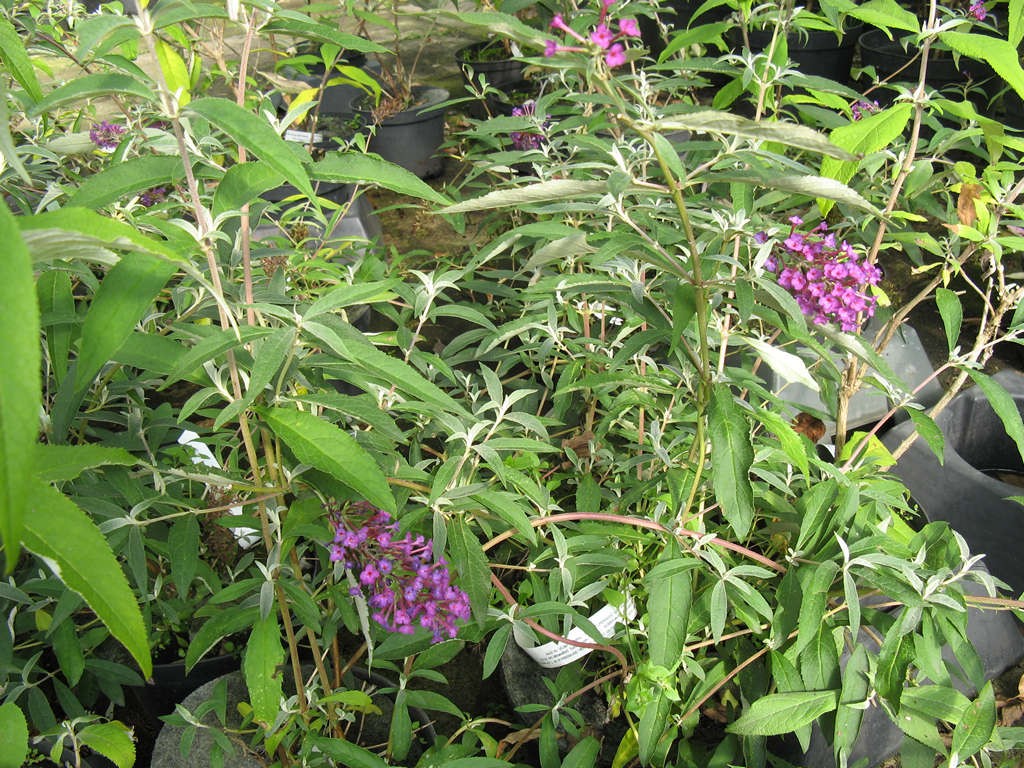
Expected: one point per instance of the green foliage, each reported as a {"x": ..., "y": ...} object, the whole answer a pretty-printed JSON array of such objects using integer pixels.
[{"x": 571, "y": 410}]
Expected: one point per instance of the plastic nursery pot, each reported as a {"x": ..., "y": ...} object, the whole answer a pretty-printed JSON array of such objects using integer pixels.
[
  {"x": 981, "y": 470},
  {"x": 817, "y": 52},
  {"x": 488, "y": 61},
  {"x": 167, "y": 750},
  {"x": 892, "y": 61},
  {"x": 359, "y": 226},
  {"x": 170, "y": 684},
  {"x": 412, "y": 137},
  {"x": 905, "y": 356},
  {"x": 334, "y": 99},
  {"x": 677, "y": 15},
  {"x": 995, "y": 635},
  {"x": 524, "y": 683}
]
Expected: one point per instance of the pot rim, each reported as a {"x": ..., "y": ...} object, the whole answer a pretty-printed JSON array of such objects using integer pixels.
[{"x": 435, "y": 97}]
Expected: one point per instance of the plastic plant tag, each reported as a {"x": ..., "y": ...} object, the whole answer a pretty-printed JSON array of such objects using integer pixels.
[
  {"x": 203, "y": 455},
  {"x": 303, "y": 137},
  {"x": 558, "y": 654}
]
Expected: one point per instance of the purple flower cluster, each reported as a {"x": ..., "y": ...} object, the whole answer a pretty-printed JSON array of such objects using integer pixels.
[
  {"x": 151, "y": 197},
  {"x": 827, "y": 279},
  {"x": 524, "y": 140},
  {"x": 403, "y": 587},
  {"x": 106, "y": 135},
  {"x": 601, "y": 37},
  {"x": 862, "y": 108},
  {"x": 977, "y": 10}
]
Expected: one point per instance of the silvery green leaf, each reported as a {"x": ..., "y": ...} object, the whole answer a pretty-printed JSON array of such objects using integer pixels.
[
  {"x": 728, "y": 124},
  {"x": 790, "y": 367}
]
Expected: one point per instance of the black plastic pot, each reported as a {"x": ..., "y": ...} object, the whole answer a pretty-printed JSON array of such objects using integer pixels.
[
  {"x": 816, "y": 52},
  {"x": 171, "y": 684},
  {"x": 969, "y": 490},
  {"x": 504, "y": 80},
  {"x": 890, "y": 60},
  {"x": 167, "y": 752},
  {"x": 476, "y": 66},
  {"x": 411, "y": 138},
  {"x": 995, "y": 635},
  {"x": 677, "y": 15},
  {"x": 359, "y": 224}
]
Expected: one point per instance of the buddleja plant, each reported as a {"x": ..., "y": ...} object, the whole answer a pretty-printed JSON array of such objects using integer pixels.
[
  {"x": 672, "y": 253},
  {"x": 132, "y": 199}
]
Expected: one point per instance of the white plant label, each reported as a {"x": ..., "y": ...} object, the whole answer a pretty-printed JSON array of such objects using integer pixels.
[
  {"x": 558, "y": 654},
  {"x": 303, "y": 137},
  {"x": 203, "y": 455}
]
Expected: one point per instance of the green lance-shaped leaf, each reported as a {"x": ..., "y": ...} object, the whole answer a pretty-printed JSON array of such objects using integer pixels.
[
  {"x": 71, "y": 544},
  {"x": 975, "y": 728},
  {"x": 542, "y": 192},
  {"x": 58, "y": 463},
  {"x": 952, "y": 313},
  {"x": 13, "y": 735},
  {"x": 270, "y": 354},
  {"x": 243, "y": 183},
  {"x": 999, "y": 54},
  {"x": 346, "y": 753},
  {"x": 93, "y": 86},
  {"x": 929, "y": 431},
  {"x": 7, "y": 148},
  {"x": 128, "y": 177},
  {"x": 731, "y": 458},
  {"x": 1004, "y": 407},
  {"x": 728, "y": 124},
  {"x": 654, "y": 721},
  {"x": 790, "y": 367},
  {"x": 788, "y": 437},
  {"x": 884, "y": 14},
  {"x": 263, "y": 653},
  {"x": 863, "y": 137},
  {"x": 116, "y": 234},
  {"x": 124, "y": 296},
  {"x": 356, "y": 168},
  {"x": 1015, "y": 13},
  {"x": 332, "y": 450},
  {"x": 779, "y": 713},
  {"x": 469, "y": 559},
  {"x": 813, "y": 186},
  {"x": 370, "y": 292},
  {"x": 20, "y": 385},
  {"x": 498, "y": 23},
  {"x": 255, "y": 134},
  {"x": 856, "y": 686},
  {"x": 175, "y": 71},
  {"x": 17, "y": 62},
  {"x": 220, "y": 625},
  {"x": 113, "y": 740},
  {"x": 668, "y": 609}
]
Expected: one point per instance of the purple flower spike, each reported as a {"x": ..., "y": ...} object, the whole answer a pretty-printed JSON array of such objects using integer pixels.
[
  {"x": 828, "y": 280},
  {"x": 106, "y": 135},
  {"x": 402, "y": 584}
]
